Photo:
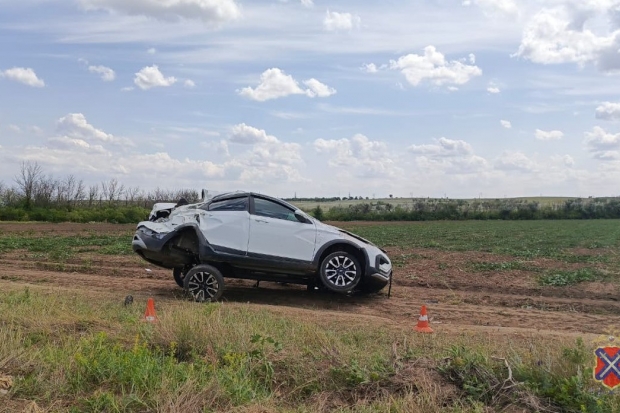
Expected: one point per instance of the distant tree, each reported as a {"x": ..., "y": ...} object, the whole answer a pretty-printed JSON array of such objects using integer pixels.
[
  {"x": 318, "y": 213},
  {"x": 391, "y": 196},
  {"x": 27, "y": 179}
]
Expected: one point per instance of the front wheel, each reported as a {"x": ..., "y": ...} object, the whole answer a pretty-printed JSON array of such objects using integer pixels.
[
  {"x": 340, "y": 272},
  {"x": 204, "y": 283}
]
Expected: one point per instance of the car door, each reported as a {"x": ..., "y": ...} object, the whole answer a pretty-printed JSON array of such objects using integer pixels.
[
  {"x": 225, "y": 224},
  {"x": 275, "y": 232}
]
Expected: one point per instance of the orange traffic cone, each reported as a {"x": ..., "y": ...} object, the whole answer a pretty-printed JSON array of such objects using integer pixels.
[
  {"x": 150, "y": 315},
  {"x": 423, "y": 326}
]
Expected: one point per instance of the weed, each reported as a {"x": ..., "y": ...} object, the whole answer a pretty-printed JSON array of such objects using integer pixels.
[{"x": 561, "y": 278}]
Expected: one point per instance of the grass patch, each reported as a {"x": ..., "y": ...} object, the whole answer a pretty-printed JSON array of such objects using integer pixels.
[
  {"x": 502, "y": 266},
  {"x": 62, "y": 248},
  {"x": 83, "y": 355},
  {"x": 561, "y": 278}
]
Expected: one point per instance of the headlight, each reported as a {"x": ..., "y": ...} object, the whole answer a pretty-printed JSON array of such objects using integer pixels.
[{"x": 152, "y": 233}]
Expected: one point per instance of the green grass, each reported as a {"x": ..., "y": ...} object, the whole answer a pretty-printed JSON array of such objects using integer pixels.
[
  {"x": 561, "y": 278},
  {"x": 76, "y": 354},
  {"x": 526, "y": 239},
  {"x": 61, "y": 248}
]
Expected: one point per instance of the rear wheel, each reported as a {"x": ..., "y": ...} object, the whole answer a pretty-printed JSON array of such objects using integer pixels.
[
  {"x": 204, "y": 283},
  {"x": 179, "y": 277},
  {"x": 340, "y": 272}
]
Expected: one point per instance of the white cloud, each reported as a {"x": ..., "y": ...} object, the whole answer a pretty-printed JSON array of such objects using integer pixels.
[
  {"x": 307, "y": 3},
  {"x": 432, "y": 66},
  {"x": 359, "y": 156},
  {"x": 274, "y": 83},
  {"x": 27, "y": 76},
  {"x": 80, "y": 145},
  {"x": 492, "y": 7},
  {"x": 189, "y": 84},
  {"x": 246, "y": 134},
  {"x": 212, "y": 12},
  {"x": 602, "y": 144},
  {"x": 107, "y": 74},
  {"x": 608, "y": 111},
  {"x": 150, "y": 76},
  {"x": 553, "y": 135},
  {"x": 515, "y": 161},
  {"x": 506, "y": 124},
  {"x": 76, "y": 127},
  {"x": 448, "y": 156},
  {"x": 472, "y": 58},
  {"x": 127, "y": 89},
  {"x": 318, "y": 89},
  {"x": 493, "y": 88},
  {"x": 369, "y": 68},
  {"x": 443, "y": 147},
  {"x": 152, "y": 50},
  {"x": 340, "y": 21},
  {"x": 562, "y": 35},
  {"x": 15, "y": 128}
]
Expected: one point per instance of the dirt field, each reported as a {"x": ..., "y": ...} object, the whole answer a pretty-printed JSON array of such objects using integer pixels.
[{"x": 457, "y": 298}]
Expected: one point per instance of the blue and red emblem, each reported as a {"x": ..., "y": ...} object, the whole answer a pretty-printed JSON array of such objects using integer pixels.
[{"x": 607, "y": 370}]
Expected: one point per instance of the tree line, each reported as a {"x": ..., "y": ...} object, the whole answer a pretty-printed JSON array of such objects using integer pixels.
[
  {"x": 36, "y": 196},
  {"x": 458, "y": 209}
]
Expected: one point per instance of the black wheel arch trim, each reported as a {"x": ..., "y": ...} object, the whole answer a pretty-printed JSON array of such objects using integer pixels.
[{"x": 317, "y": 257}]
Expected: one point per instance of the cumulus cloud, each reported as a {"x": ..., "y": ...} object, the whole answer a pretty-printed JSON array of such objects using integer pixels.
[
  {"x": 15, "y": 128},
  {"x": 493, "y": 88},
  {"x": 246, "y": 134},
  {"x": 492, "y": 7},
  {"x": 274, "y": 84},
  {"x": 449, "y": 155},
  {"x": 213, "y": 12},
  {"x": 27, "y": 76},
  {"x": 335, "y": 21},
  {"x": 506, "y": 124},
  {"x": 359, "y": 156},
  {"x": 107, "y": 74},
  {"x": 443, "y": 147},
  {"x": 433, "y": 67},
  {"x": 318, "y": 89},
  {"x": 608, "y": 111},
  {"x": 150, "y": 76},
  {"x": 189, "y": 84},
  {"x": 515, "y": 161},
  {"x": 603, "y": 145},
  {"x": 151, "y": 50},
  {"x": 307, "y": 3},
  {"x": 552, "y": 135},
  {"x": 561, "y": 35},
  {"x": 369, "y": 68},
  {"x": 75, "y": 126}
]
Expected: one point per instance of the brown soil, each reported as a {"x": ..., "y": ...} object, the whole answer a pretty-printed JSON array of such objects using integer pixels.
[{"x": 458, "y": 297}]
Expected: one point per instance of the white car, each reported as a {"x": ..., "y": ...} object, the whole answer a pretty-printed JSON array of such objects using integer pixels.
[{"x": 253, "y": 236}]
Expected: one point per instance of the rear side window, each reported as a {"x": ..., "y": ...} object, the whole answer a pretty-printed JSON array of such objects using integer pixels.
[
  {"x": 235, "y": 204},
  {"x": 272, "y": 209}
]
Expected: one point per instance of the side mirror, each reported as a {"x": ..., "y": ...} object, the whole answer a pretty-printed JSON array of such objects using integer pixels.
[{"x": 301, "y": 217}]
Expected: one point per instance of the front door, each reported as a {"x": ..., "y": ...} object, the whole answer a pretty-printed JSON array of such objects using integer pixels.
[{"x": 275, "y": 232}]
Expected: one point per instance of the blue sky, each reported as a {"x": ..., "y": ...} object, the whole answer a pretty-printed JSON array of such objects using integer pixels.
[{"x": 452, "y": 98}]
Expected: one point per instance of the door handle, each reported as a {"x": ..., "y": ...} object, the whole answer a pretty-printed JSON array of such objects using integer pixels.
[{"x": 261, "y": 220}]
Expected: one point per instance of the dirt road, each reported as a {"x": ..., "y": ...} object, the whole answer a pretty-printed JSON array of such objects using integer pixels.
[{"x": 457, "y": 298}]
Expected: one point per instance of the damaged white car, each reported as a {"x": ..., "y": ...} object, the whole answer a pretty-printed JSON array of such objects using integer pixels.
[{"x": 253, "y": 236}]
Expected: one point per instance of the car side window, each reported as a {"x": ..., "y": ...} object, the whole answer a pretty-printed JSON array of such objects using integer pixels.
[
  {"x": 266, "y": 208},
  {"x": 234, "y": 204}
]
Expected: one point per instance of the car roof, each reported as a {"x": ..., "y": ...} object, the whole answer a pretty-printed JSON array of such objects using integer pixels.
[{"x": 236, "y": 194}]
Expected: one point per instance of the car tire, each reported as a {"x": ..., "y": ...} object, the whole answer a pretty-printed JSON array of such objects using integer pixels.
[
  {"x": 340, "y": 272},
  {"x": 179, "y": 277},
  {"x": 204, "y": 283}
]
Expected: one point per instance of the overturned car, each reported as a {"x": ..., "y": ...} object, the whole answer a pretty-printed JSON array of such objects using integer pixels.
[{"x": 253, "y": 236}]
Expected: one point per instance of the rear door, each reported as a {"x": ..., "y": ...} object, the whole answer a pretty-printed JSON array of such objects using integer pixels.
[
  {"x": 275, "y": 232},
  {"x": 225, "y": 224}
]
